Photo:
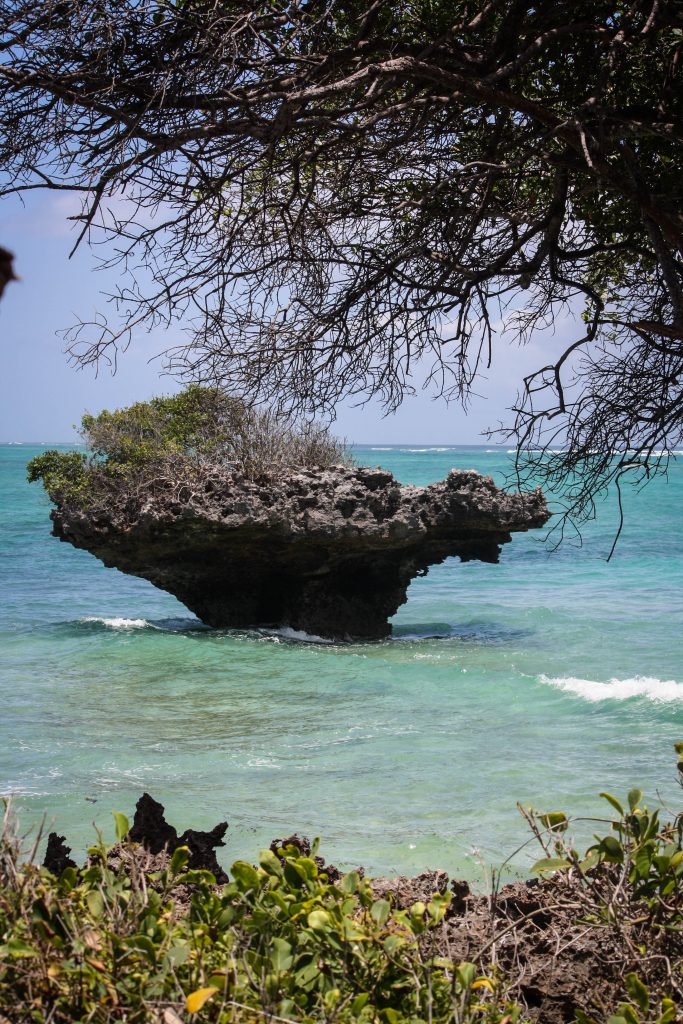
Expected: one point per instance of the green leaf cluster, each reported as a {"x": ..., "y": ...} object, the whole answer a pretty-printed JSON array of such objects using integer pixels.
[
  {"x": 64, "y": 475},
  {"x": 198, "y": 421},
  {"x": 649, "y": 852},
  {"x": 640, "y": 1009}
]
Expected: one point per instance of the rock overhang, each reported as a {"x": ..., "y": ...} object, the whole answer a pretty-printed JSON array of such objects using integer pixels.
[{"x": 330, "y": 552}]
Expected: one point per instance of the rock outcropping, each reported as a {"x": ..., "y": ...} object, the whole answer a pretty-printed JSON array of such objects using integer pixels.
[{"x": 331, "y": 552}]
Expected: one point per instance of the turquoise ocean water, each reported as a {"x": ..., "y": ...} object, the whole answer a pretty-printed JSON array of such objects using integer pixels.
[{"x": 543, "y": 680}]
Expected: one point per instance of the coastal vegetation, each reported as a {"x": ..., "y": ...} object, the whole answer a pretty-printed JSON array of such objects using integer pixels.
[
  {"x": 146, "y": 938},
  {"x": 181, "y": 440}
]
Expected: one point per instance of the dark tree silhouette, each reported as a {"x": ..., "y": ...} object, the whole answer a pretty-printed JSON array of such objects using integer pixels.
[
  {"x": 6, "y": 270},
  {"x": 335, "y": 192}
]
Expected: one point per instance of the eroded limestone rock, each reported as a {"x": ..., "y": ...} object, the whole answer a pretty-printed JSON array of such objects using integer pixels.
[
  {"x": 330, "y": 552},
  {"x": 57, "y": 854}
]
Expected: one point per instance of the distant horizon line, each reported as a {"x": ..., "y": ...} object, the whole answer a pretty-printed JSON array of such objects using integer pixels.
[{"x": 379, "y": 445}]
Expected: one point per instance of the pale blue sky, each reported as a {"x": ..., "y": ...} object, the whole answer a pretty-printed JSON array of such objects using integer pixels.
[{"x": 42, "y": 396}]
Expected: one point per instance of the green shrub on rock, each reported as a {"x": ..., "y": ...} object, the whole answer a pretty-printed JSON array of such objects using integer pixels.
[
  {"x": 64, "y": 474},
  {"x": 199, "y": 422},
  {"x": 197, "y": 432},
  {"x": 207, "y": 426}
]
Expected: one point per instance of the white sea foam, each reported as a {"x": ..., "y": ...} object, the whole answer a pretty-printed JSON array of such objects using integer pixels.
[
  {"x": 179, "y": 624},
  {"x": 427, "y": 449},
  {"x": 381, "y": 449},
  {"x": 660, "y": 454},
  {"x": 657, "y": 690},
  {"x": 287, "y": 633},
  {"x": 120, "y": 623},
  {"x": 596, "y": 451}
]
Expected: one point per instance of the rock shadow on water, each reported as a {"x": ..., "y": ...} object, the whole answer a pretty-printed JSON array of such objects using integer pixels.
[
  {"x": 479, "y": 633},
  {"x": 484, "y": 633}
]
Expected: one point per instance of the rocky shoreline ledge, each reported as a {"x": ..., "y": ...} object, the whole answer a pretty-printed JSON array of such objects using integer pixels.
[
  {"x": 330, "y": 552},
  {"x": 542, "y": 935}
]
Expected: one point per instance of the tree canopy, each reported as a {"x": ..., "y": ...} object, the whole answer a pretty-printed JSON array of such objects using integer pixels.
[{"x": 334, "y": 193}]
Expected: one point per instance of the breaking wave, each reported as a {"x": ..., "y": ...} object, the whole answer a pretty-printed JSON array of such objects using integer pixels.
[
  {"x": 119, "y": 623},
  {"x": 173, "y": 625},
  {"x": 287, "y": 633},
  {"x": 657, "y": 690}
]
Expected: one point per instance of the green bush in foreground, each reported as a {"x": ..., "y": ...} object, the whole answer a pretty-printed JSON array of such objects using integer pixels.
[{"x": 279, "y": 939}]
